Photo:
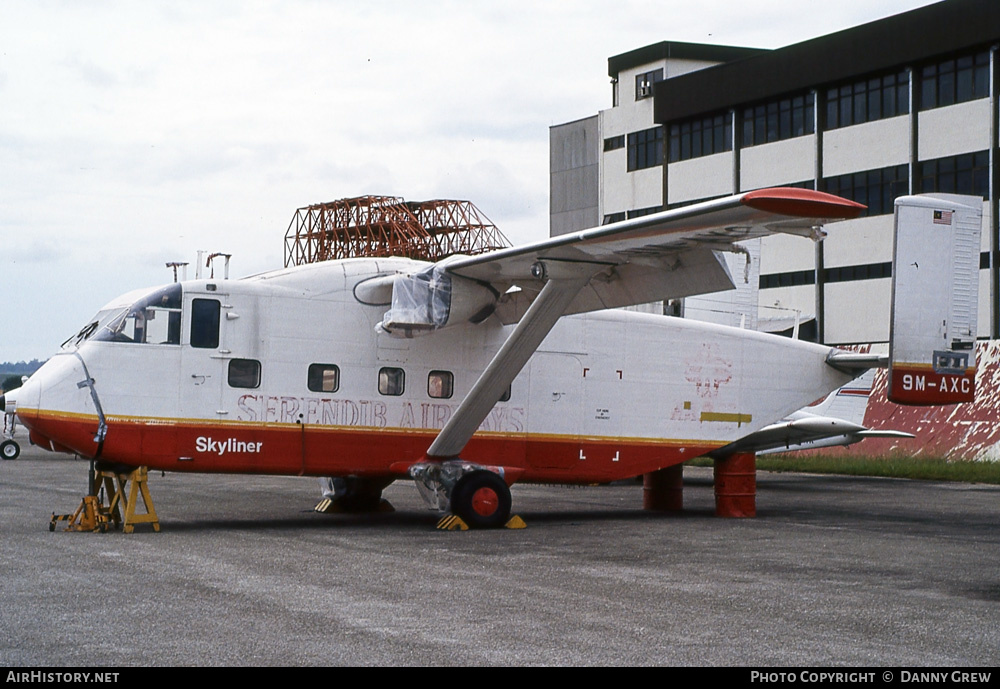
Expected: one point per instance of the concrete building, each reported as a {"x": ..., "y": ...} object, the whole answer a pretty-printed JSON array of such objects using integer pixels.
[{"x": 907, "y": 104}]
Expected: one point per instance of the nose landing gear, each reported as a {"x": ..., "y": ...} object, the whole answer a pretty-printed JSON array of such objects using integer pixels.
[{"x": 9, "y": 449}]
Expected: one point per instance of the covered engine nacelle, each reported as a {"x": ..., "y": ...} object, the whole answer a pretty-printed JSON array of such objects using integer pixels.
[{"x": 434, "y": 299}]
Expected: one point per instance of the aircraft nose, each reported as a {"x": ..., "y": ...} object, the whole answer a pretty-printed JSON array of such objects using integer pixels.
[{"x": 8, "y": 402}]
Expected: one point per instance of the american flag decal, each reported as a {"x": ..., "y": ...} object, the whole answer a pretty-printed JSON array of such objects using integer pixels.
[{"x": 942, "y": 217}]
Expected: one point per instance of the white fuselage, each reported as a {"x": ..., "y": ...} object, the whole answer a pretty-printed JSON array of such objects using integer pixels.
[{"x": 299, "y": 380}]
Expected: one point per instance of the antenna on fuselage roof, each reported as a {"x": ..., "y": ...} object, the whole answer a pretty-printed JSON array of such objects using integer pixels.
[
  {"x": 210, "y": 264},
  {"x": 178, "y": 264}
]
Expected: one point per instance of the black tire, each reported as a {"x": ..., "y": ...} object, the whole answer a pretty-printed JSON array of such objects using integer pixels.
[
  {"x": 482, "y": 500},
  {"x": 9, "y": 449}
]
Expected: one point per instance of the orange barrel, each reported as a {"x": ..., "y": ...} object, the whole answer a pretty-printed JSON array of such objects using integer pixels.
[
  {"x": 663, "y": 490},
  {"x": 736, "y": 486}
]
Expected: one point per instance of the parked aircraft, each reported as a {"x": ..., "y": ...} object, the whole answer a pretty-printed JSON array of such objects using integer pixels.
[{"x": 473, "y": 373}]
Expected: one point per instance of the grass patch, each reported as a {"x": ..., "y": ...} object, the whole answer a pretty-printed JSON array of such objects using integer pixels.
[{"x": 924, "y": 469}]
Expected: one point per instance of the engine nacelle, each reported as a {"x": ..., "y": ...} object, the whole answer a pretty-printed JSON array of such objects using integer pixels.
[{"x": 434, "y": 299}]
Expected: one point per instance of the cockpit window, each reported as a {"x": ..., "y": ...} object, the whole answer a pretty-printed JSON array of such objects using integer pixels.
[
  {"x": 153, "y": 319},
  {"x": 98, "y": 322}
]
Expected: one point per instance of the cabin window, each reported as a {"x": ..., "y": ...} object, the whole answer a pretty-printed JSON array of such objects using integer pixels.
[
  {"x": 324, "y": 378},
  {"x": 205, "y": 323},
  {"x": 440, "y": 384},
  {"x": 391, "y": 381},
  {"x": 244, "y": 373}
]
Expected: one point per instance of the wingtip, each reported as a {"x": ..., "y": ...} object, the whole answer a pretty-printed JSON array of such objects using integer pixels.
[{"x": 804, "y": 203}]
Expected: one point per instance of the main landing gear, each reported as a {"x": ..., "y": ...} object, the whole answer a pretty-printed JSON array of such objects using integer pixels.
[
  {"x": 475, "y": 496},
  {"x": 481, "y": 499}
]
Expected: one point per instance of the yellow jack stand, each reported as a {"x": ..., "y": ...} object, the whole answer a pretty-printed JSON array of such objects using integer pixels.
[
  {"x": 139, "y": 478},
  {"x": 91, "y": 515},
  {"x": 94, "y": 515}
]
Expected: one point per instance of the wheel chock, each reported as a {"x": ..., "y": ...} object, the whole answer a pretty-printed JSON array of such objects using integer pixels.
[
  {"x": 451, "y": 522},
  {"x": 339, "y": 506},
  {"x": 515, "y": 522}
]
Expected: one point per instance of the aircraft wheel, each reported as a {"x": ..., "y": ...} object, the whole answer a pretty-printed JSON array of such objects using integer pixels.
[
  {"x": 482, "y": 500},
  {"x": 9, "y": 449}
]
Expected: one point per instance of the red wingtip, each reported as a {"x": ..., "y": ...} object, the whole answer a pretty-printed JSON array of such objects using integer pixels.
[{"x": 804, "y": 203}]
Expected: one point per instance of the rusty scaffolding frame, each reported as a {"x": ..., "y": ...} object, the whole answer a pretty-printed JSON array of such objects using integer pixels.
[{"x": 389, "y": 226}]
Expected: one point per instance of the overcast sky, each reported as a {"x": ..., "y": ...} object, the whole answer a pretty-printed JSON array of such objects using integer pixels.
[{"x": 136, "y": 133}]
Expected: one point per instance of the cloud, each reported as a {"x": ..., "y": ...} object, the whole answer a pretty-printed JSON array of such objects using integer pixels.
[{"x": 136, "y": 133}]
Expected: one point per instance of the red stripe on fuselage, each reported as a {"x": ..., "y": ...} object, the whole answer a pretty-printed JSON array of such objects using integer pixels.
[{"x": 324, "y": 451}]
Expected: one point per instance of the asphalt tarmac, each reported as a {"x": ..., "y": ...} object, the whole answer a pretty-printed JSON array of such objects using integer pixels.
[{"x": 833, "y": 571}]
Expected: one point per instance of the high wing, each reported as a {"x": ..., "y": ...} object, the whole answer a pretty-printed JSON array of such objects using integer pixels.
[
  {"x": 659, "y": 256},
  {"x": 667, "y": 254}
]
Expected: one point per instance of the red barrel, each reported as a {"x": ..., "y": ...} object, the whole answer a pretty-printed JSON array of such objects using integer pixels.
[
  {"x": 736, "y": 486},
  {"x": 663, "y": 490}
]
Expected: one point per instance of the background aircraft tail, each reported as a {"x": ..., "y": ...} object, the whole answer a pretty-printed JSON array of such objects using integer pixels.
[
  {"x": 935, "y": 289},
  {"x": 848, "y": 402}
]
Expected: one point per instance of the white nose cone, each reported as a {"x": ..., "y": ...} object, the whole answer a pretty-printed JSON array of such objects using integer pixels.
[{"x": 55, "y": 380}]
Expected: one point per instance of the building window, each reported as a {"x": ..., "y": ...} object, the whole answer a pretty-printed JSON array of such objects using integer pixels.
[
  {"x": 323, "y": 378},
  {"x": 391, "y": 381},
  {"x": 613, "y": 217},
  {"x": 244, "y": 373},
  {"x": 777, "y": 120},
  {"x": 691, "y": 202},
  {"x": 640, "y": 212},
  {"x": 955, "y": 81},
  {"x": 700, "y": 137},
  {"x": 440, "y": 384},
  {"x": 867, "y": 271},
  {"x": 645, "y": 149},
  {"x": 877, "y": 189},
  {"x": 796, "y": 278},
  {"x": 868, "y": 100},
  {"x": 792, "y": 278},
  {"x": 968, "y": 173},
  {"x": 644, "y": 83},
  {"x": 807, "y": 184},
  {"x": 614, "y": 143},
  {"x": 205, "y": 323}
]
